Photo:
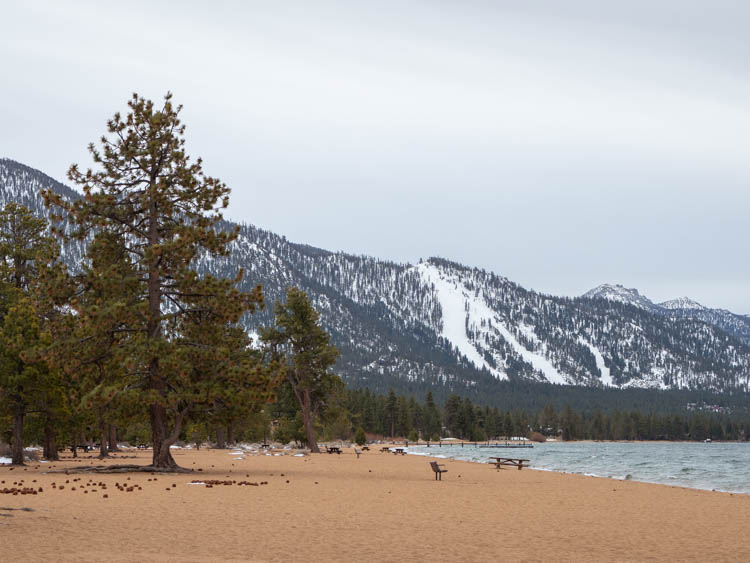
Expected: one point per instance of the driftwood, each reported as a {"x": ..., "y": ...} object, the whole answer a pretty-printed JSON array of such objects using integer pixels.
[{"x": 122, "y": 469}]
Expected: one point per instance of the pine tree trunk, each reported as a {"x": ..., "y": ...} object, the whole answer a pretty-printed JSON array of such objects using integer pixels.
[
  {"x": 157, "y": 413},
  {"x": 230, "y": 433},
  {"x": 221, "y": 443},
  {"x": 50, "y": 443},
  {"x": 103, "y": 439},
  {"x": 113, "y": 438},
  {"x": 17, "y": 447},
  {"x": 307, "y": 418},
  {"x": 160, "y": 436},
  {"x": 76, "y": 442}
]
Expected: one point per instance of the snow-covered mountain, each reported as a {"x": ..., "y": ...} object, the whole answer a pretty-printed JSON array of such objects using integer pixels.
[
  {"x": 683, "y": 303},
  {"x": 680, "y": 308},
  {"x": 446, "y": 327},
  {"x": 621, "y": 294}
]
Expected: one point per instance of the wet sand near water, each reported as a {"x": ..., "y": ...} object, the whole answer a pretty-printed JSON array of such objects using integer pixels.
[{"x": 380, "y": 507}]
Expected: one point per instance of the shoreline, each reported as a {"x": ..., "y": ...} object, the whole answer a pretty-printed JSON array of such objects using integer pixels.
[
  {"x": 623, "y": 473},
  {"x": 381, "y": 507}
]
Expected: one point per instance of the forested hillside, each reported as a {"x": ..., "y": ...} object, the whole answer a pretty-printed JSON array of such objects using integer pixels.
[{"x": 441, "y": 326}]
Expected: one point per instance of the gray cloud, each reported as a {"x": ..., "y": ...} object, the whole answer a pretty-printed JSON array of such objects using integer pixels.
[{"x": 562, "y": 144}]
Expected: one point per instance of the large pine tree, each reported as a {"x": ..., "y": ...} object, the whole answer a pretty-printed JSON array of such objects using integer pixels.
[
  {"x": 27, "y": 256},
  {"x": 159, "y": 213},
  {"x": 304, "y": 347}
]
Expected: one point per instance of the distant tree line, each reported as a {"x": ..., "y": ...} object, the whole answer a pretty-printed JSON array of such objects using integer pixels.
[
  {"x": 532, "y": 397},
  {"x": 394, "y": 415}
]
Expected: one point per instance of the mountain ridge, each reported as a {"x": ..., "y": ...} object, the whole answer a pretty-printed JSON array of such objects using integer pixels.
[
  {"x": 439, "y": 325},
  {"x": 682, "y": 307}
]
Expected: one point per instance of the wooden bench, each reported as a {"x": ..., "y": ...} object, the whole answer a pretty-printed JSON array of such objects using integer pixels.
[
  {"x": 365, "y": 448},
  {"x": 397, "y": 451},
  {"x": 333, "y": 450},
  {"x": 511, "y": 461},
  {"x": 438, "y": 472},
  {"x": 385, "y": 449}
]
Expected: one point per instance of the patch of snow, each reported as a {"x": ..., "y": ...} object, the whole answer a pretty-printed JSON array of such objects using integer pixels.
[
  {"x": 452, "y": 296},
  {"x": 528, "y": 332},
  {"x": 653, "y": 379},
  {"x": 537, "y": 361},
  {"x": 682, "y": 303},
  {"x": 5, "y": 460},
  {"x": 606, "y": 376},
  {"x": 457, "y": 301},
  {"x": 255, "y": 338},
  {"x": 621, "y": 294}
]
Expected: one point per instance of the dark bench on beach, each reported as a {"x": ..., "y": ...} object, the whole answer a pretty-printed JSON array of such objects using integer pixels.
[
  {"x": 397, "y": 451},
  {"x": 333, "y": 450},
  {"x": 385, "y": 449},
  {"x": 438, "y": 472},
  {"x": 512, "y": 461},
  {"x": 365, "y": 448}
]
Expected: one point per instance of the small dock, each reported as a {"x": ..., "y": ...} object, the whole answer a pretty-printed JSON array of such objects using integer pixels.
[{"x": 488, "y": 444}]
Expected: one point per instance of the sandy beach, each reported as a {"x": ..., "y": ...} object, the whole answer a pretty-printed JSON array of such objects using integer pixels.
[{"x": 379, "y": 507}]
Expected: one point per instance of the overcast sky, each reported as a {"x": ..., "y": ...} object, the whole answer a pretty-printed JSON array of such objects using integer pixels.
[{"x": 560, "y": 144}]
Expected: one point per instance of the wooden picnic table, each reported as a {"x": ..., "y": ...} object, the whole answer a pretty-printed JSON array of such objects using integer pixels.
[
  {"x": 397, "y": 451},
  {"x": 333, "y": 450},
  {"x": 511, "y": 461},
  {"x": 365, "y": 448}
]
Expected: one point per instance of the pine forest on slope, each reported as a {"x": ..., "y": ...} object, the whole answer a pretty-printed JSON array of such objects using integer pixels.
[{"x": 442, "y": 326}]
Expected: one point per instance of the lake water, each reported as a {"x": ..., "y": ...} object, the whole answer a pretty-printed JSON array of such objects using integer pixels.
[{"x": 698, "y": 465}]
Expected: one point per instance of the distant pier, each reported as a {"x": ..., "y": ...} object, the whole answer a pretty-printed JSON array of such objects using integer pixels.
[{"x": 487, "y": 444}]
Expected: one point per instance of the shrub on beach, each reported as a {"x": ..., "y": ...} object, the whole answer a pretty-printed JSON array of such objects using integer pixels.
[
  {"x": 359, "y": 436},
  {"x": 537, "y": 437}
]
